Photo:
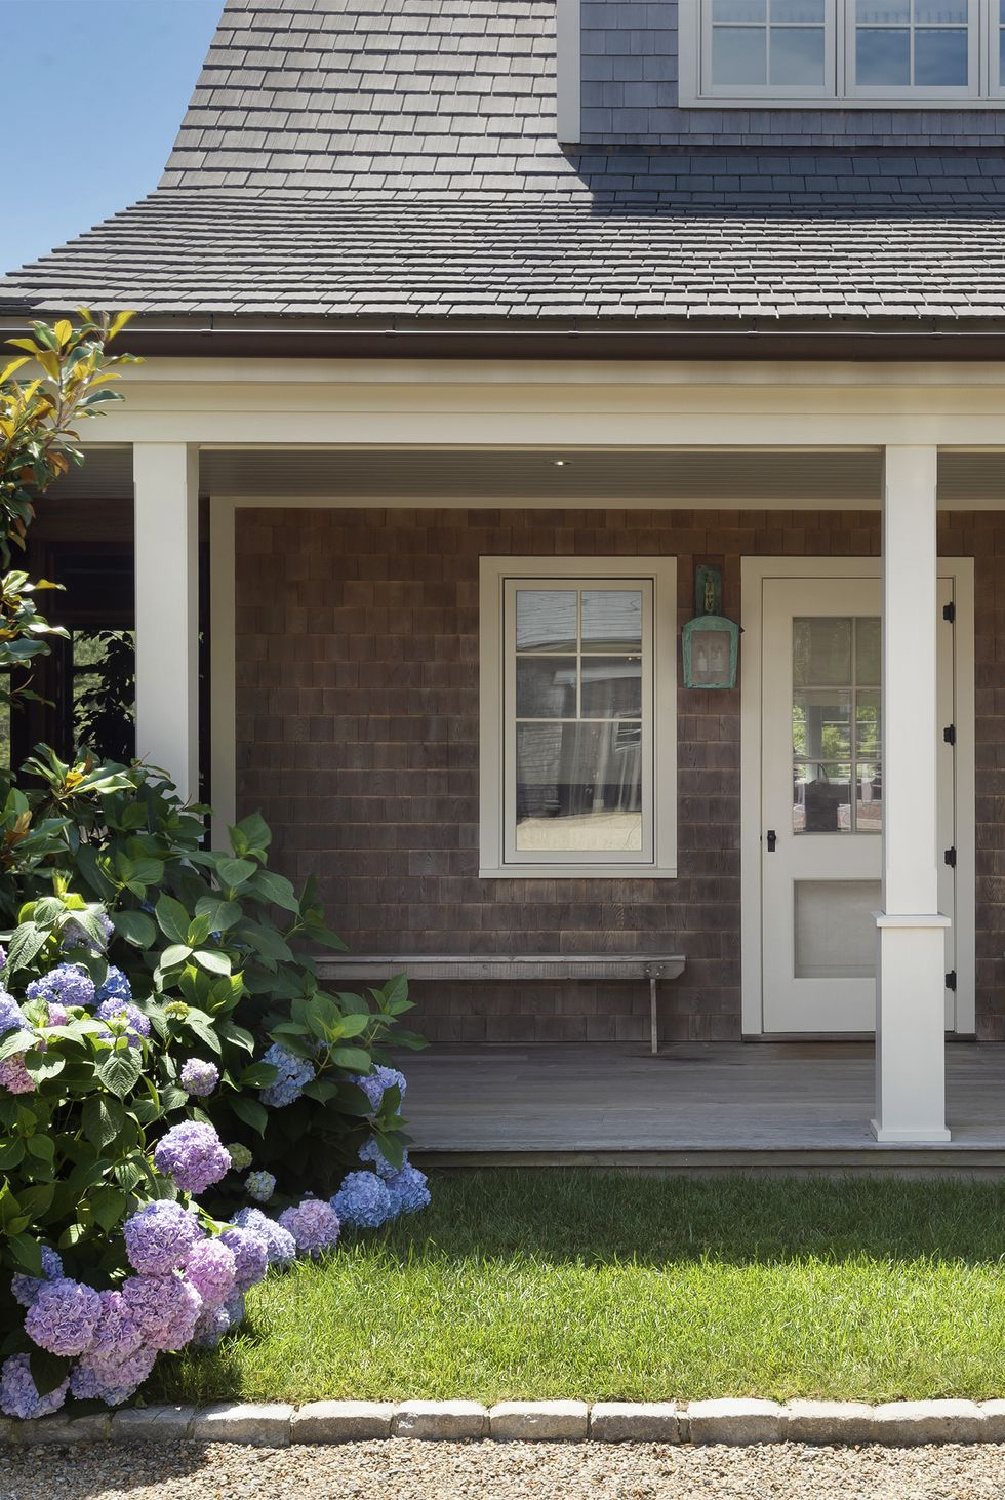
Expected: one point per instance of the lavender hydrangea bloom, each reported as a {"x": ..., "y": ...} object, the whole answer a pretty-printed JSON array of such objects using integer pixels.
[
  {"x": 213, "y": 1323},
  {"x": 212, "y": 1270},
  {"x": 111, "y": 1378},
  {"x": 281, "y": 1244},
  {"x": 19, "y": 1394},
  {"x": 25, "y": 1289},
  {"x": 409, "y": 1191},
  {"x": 193, "y": 1154},
  {"x": 115, "y": 987},
  {"x": 294, "y": 1074},
  {"x": 58, "y": 1014},
  {"x": 63, "y": 1316},
  {"x": 313, "y": 1224},
  {"x": 251, "y": 1256},
  {"x": 69, "y": 984},
  {"x": 371, "y": 1152},
  {"x": 240, "y": 1156},
  {"x": 160, "y": 1237},
  {"x": 199, "y": 1078},
  {"x": 164, "y": 1308},
  {"x": 115, "y": 1333},
  {"x": 260, "y": 1186},
  {"x": 235, "y": 1310},
  {"x": 136, "y": 1023},
  {"x": 363, "y": 1199},
  {"x": 376, "y": 1084},
  {"x": 12, "y": 1018},
  {"x": 14, "y": 1076}
]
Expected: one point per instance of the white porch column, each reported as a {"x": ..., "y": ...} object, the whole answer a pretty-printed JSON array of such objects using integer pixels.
[
  {"x": 910, "y": 986},
  {"x": 166, "y": 491}
]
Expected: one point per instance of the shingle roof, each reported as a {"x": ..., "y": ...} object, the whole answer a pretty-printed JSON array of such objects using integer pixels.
[{"x": 375, "y": 160}]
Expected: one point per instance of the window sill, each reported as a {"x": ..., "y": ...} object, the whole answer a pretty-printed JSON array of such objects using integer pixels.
[
  {"x": 577, "y": 872},
  {"x": 773, "y": 103}
]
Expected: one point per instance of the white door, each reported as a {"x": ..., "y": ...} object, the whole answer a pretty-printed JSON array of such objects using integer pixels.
[{"x": 822, "y": 802}]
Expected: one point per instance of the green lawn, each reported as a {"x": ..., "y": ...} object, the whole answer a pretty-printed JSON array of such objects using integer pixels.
[{"x": 609, "y": 1286}]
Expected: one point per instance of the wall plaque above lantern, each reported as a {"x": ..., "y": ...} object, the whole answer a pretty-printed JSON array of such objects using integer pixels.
[{"x": 709, "y": 642}]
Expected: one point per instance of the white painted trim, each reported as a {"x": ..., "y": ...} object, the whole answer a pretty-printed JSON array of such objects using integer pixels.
[
  {"x": 493, "y": 574},
  {"x": 568, "y": 70},
  {"x": 753, "y": 572},
  {"x": 223, "y": 668}
]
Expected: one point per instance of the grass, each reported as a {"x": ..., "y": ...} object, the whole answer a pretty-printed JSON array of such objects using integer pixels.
[{"x": 604, "y": 1287}]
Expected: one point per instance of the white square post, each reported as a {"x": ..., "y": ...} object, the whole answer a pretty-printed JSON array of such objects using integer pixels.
[
  {"x": 910, "y": 978},
  {"x": 166, "y": 508}
]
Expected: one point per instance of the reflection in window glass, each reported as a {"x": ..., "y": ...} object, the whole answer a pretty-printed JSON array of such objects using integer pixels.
[
  {"x": 836, "y": 726},
  {"x": 546, "y": 619},
  {"x": 903, "y": 42},
  {"x": 784, "y": 43}
]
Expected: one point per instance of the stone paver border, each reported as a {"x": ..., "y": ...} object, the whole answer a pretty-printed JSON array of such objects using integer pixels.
[{"x": 731, "y": 1421}]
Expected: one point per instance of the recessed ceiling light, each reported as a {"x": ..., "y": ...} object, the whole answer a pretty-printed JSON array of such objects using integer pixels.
[{"x": 559, "y": 463}]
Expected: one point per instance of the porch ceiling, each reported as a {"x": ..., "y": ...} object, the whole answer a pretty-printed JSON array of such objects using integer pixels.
[{"x": 658, "y": 477}]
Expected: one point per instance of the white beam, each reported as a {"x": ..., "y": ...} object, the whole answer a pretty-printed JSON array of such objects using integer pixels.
[
  {"x": 166, "y": 489},
  {"x": 910, "y": 1044}
]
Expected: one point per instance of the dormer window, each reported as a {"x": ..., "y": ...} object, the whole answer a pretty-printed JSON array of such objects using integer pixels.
[{"x": 828, "y": 53}]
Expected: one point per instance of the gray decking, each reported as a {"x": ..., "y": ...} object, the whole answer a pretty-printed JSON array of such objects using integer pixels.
[{"x": 714, "y": 1105}]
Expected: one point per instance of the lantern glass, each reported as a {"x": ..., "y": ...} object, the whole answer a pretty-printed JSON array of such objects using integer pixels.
[{"x": 710, "y": 652}]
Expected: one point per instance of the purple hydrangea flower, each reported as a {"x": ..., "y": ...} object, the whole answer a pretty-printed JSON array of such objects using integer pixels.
[
  {"x": 363, "y": 1199},
  {"x": 111, "y": 1378},
  {"x": 19, "y": 1394},
  {"x": 199, "y": 1078},
  {"x": 25, "y": 1289},
  {"x": 74, "y": 935},
  {"x": 260, "y": 1186},
  {"x": 371, "y": 1152},
  {"x": 12, "y": 1018},
  {"x": 58, "y": 1014},
  {"x": 136, "y": 1023},
  {"x": 240, "y": 1156},
  {"x": 115, "y": 1333},
  {"x": 251, "y": 1256},
  {"x": 115, "y": 987},
  {"x": 69, "y": 984},
  {"x": 313, "y": 1224},
  {"x": 193, "y": 1154},
  {"x": 281, "y": 1244},
  {"x": 213, "y": 1323},
  {"x": 294, "y": 1074},
  {"x": 212, "y": 1270},
  {"x": 14, "y": 1076},
  {"x": 409, "y": 1191},
  {"x": 160, "y": 1237},
  {"x": 63, "y": 1316},
  {"x": 164, "y": 1308},
  {"x": 376, "y": 1084}
]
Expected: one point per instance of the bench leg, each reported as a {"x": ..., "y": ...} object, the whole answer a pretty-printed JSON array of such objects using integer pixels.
[{"x": 654, "y": 1043}]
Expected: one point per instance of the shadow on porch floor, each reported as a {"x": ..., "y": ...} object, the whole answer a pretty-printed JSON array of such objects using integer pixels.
[{"x": 716, "y": 1105}]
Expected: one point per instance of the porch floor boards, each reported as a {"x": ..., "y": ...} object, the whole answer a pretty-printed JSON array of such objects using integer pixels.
[{"x": 714, "y": 1105}]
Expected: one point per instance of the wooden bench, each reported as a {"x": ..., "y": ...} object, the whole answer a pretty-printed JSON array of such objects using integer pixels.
[{"x": 376, "y": 969}]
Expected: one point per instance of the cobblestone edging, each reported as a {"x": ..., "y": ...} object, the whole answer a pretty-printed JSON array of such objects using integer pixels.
[{"x": 899, "y": 1424}]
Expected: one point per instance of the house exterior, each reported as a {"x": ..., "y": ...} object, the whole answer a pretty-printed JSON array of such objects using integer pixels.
[{"x": 476, "y": 328}]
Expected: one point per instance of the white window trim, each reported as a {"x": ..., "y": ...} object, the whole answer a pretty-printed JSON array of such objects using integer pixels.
[
  {"x": 985, "y": 91},
  {"x": 660, "y": 862}
]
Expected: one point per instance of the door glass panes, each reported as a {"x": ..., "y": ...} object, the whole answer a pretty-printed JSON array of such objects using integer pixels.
[
  {"x": 581, "y": 694},
  {"x": 836, "y": 729},
  {"x": 759, "y": 42},
  {"x": 900, "y": 43}
]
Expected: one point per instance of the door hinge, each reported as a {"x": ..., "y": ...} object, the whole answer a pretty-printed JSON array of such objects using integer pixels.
[
  {"x": 949, "y": 734},
  {"x": 950, "y": 857},
  {"x": 949, "y": 612},
  {"x": 951, "y": 980}
]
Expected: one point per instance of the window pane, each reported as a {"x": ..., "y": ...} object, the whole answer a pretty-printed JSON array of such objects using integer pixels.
[
  {"x": 612, "y": 619},
  {"x": 739, "y": 55},
  {"x": 941, "y": 12},
  {"x": 797, "y": 55},
  {"x": 803, "y": 12},
  {"x": 821, "y": 801},
  {"x": 612, "y": 687},
  {"x": 546, "y": 620},
  {"x": 883, "y": 58},
  {"x": 940, "y": 58},
  {"x": 1001, "y": 55},
  {"x": 821, "y": 724},
  {"x": 880, "y": 12},
  {"x": 579, "y": 788},
  {"x": 739, "y": 10},
  {"x": 869, "y": 804},
  {"x": 546, "y": 687},
  {"x": 821, "y": 652},
  {"x": 868, "y": 651}
]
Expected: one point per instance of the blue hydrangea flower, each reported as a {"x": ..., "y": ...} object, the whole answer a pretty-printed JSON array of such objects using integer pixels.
[
  {"x": 213, "y": 1323},
  {"x": 19, "y": 1394},
  {"x": 25, "y": 1289},
  {"x": 282, "y": 1247},
  {"x": 193, "y": 1154},
  {"x": 235, "y": 1310},
  {"x": 260, "y": 1186},
  {"x": 115, "y": 987},
  {"x": 251, "y": 1256},
  {"x": 12, "y": 1018},
  {"x": 370, "y": 1152},
  {"x": 74, "y": 935},
  {"x": 376, "y": 1084},
  {"x": 136, "y": 1024},
  {"x": 69, "y": 984},
  {"x": 409, "y": 1190},
  {"x": 314, "y": 1225},
  {"x": 363, "y": 1199},
  {"x": 199, "y": 1078},
  {"x": 294, "y": 1074}
]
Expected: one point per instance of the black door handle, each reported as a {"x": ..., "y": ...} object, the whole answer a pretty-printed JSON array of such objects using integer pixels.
[{"x": 772, "y": 839}]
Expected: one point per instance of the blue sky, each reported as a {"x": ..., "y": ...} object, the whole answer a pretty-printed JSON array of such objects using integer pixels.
[{"x": 93, "y": 93}]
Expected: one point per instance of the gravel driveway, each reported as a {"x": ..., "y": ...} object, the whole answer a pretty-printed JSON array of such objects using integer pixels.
[{"x": 404, "y": 1470}]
